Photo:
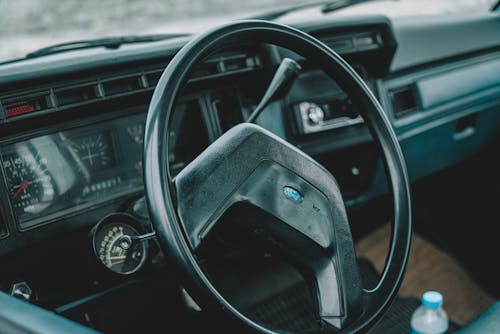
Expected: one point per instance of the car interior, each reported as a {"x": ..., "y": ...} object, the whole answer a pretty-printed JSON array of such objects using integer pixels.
[{"x": 296, "y": 171}]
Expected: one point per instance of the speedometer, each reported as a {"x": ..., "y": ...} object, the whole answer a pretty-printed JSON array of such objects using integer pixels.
[
  {"x": 30, "y": 183},
  {"x": 108, "y": 245}
]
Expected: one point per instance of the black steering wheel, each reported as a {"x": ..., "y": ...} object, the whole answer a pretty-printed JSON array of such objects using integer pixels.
[{"x": 249, "y": 164}]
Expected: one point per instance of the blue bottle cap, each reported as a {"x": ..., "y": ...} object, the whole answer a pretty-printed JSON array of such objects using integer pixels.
[{"x": 432, "y": 299}]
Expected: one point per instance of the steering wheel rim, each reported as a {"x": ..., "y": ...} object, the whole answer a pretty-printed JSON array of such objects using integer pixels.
[{"x": 160, "y": 190}]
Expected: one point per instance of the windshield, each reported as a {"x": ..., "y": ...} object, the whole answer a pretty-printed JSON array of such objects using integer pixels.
[{"x": 28, "y": 25}]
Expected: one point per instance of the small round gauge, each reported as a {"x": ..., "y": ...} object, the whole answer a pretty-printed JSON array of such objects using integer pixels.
[
  {"x": 30, "y": 184},
  {"x": 109, "y": 248},
  {"x": 94, "y": 152}
]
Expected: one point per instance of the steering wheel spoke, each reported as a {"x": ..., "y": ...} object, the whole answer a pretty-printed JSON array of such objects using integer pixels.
[
  {"x": 328, "y": 294},
  {"x": 335, "y": 283}
]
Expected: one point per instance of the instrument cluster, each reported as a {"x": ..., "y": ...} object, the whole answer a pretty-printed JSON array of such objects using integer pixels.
[
  {"x": 63, "y": 173},
  {"x": 50, "y": 175}
]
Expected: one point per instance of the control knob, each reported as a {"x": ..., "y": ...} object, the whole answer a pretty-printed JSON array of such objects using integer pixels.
[{"x": 315, "y": 114}]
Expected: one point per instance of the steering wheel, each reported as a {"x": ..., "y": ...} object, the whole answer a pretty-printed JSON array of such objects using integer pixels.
[{"x": 250, "y": 164}]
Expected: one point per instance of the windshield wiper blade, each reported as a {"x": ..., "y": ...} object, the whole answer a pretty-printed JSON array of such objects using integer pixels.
[
  {"x": 274, "y": 14},
  {"x": 109, "y": 43},
  {"x": 339, "y": 4},
  {"x": 326, "y": 7},
  {"x": 495, "y": 6}
]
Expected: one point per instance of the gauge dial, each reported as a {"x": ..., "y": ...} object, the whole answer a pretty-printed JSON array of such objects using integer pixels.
[
  {"x": 30, "y": 184},
  {"x": 108, "y": 248},
  {"x": 94, "y": 152},
  {"x": 136, "y": 133}
]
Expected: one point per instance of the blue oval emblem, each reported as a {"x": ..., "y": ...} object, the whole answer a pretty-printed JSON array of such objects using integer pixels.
[{"x": 292, "y": 194}]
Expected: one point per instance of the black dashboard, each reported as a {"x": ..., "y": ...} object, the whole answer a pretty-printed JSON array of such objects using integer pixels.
[{"x": 71, "y": 124}]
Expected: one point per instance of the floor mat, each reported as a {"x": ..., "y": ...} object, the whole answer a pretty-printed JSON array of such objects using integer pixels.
[
  {"x": 430, "y": 268},
  {"x": 292, "y": 309},
  {"x": 398, "y": 316}
]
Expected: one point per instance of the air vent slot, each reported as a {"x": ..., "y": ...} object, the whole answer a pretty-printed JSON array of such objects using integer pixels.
[
  {"x": 20, "y": 105},
  {"x": 226, "y": 63},
  {"x": 76, "y": 95},
  {"x": 237, "y": 62},
  {"x": 206, "y": 70},
  {"x": 153, "y": 78},
  {"x": 368, "y": 41},
  {"x": 340, "y": 44},
  {"x": 123, "y": 85},
  {"x": 403, "y": 100},
  {"x": 344, "y": 44}
]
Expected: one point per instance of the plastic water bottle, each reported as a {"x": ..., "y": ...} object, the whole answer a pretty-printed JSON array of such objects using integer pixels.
[{"x": 430, "y": 318}]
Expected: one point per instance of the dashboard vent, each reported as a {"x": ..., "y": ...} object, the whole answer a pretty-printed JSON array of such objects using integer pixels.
[
  {"x": 26, "y": 104},
  {"x": 364, "y": 41},
  {"x": 76, "y": 95},
  {"x": 226, "y": 63},
  {"x": 207, "y": 69},
  {"x": 215, "y": 66},
  {"x": 122, "y": 85},
  {"x": 153, "y": 77},
  {"x": 403, "y": 101}
]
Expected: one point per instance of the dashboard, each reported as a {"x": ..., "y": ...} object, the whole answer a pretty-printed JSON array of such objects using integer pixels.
[{"x": 71, "y": 126}]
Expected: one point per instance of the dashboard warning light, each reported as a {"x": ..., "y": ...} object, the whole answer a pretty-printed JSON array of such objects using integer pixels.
[{"x": 19, "y": 109}]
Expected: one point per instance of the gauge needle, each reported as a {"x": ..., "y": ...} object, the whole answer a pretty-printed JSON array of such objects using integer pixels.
[
  {"x": 21, "y": 188},
  {"x": 122, "y": 257}
]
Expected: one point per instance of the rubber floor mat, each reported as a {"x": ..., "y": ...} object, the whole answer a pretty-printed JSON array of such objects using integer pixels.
[
  {"x": 290, "y": 310},
  {"x": 430, "y": 268},
  {"x": 293, "y": 310}
]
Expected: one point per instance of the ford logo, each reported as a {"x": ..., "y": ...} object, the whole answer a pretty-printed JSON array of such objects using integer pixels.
[{"x": 292, "y": 194}]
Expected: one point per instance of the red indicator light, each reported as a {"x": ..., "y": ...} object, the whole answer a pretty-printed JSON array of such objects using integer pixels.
[{"x": 19, "y": 109}]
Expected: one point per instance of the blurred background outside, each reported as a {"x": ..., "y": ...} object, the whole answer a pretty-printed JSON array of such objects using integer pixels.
[{"x": 27, "y": 25}]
